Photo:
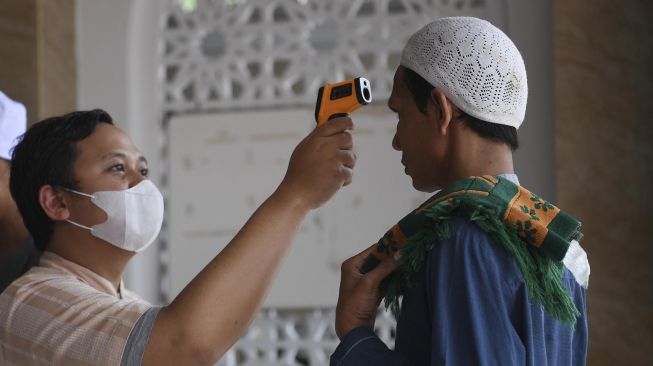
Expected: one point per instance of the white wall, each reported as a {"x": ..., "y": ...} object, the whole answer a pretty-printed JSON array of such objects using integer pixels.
[
  {"x": 116, "y": 71},
  {"x": 530, "y": 26}
]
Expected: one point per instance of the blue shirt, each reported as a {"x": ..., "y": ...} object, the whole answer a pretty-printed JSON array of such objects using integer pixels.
[{"x": 470, "y": 306}]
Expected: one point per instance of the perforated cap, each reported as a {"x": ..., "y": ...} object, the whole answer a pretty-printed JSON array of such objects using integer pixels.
[{"x": 474, "y": 64}]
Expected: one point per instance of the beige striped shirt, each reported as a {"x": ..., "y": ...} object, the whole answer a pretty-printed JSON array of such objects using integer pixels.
[{"x": 60, "y": 313}]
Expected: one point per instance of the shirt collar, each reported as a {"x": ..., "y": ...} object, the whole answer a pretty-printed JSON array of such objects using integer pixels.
[
  {"x": 54, "y": 261},
  {"x": 511, "y": 177}
]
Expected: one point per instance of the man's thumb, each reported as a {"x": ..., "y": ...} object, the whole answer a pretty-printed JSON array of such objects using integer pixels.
[{"x": 387, "y": 266}]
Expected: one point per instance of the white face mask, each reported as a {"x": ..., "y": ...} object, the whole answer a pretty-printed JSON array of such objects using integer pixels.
[{"x": 134, "y": 216}]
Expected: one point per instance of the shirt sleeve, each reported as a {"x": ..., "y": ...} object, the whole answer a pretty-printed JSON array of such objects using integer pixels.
[
  {"x": 362, "y": 347},
  {"x": 139, "y": 337}
]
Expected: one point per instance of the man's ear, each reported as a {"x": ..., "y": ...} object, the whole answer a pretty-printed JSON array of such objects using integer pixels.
[
  {"x": 443, "y": 110},
  {"x": 53, "y": 203}
]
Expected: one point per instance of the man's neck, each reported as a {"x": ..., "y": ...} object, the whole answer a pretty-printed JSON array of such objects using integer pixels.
[
  {"x": 88, "y": 251},
  {"x": 479, "y": 157}
]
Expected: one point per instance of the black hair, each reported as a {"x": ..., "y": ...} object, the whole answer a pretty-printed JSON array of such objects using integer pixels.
[
  {"x": 421, "y": 90},
  {"x": 46, "y": 155}
]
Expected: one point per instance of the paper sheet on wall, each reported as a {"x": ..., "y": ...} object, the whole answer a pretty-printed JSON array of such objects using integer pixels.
[{"x": 223, "y": 166}]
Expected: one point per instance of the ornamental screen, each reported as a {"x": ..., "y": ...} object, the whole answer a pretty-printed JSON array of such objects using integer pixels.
[{"x": 234, "y": 54}]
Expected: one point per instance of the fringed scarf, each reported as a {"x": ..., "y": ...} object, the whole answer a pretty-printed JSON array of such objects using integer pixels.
[{"x": 536, "y": 233}]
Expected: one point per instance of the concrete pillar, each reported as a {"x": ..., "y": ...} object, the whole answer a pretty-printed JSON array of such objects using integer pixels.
[
  {"x": 603, "y": 54},
  {"x": 37, "y": 55}
]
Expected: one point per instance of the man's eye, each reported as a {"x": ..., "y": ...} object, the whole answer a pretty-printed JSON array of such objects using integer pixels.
[
  {"x": 118, "y": 168},
  {"x": 145, "y": 172}
]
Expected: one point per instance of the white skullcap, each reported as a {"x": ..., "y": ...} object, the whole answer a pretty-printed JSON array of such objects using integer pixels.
[
  {"x": 474, "y": 64},
  {"x": 13, "y": 120}
]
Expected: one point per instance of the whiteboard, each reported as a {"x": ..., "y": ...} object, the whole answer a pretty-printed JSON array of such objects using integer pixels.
[{"x": 223, "y": 165}]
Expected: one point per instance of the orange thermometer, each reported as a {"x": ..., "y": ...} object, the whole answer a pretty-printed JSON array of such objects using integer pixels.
[{"x": 340, "y": 99}]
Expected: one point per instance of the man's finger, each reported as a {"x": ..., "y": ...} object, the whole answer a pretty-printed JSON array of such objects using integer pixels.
[
  {"x": 387, "y": 266},
  {"x": 358, "y": 260},
  {"x": 345, "y": 140},
  {"x": 348, "y": 158},
  {"x": 362, "y": 255},
  {"x": 347, "y": 175},
  {"x": 335, "y": 126}
]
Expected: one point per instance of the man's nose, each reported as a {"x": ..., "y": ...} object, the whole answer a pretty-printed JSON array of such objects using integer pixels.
[
  {"x": 395, "y": 143},
  {"x": 135, "y": 178}
]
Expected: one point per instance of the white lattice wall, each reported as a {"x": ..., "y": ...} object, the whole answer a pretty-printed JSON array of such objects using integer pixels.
[
  {"x": 295, "y": 337},
  {"x": 219, "y": 55},
  {"x": 276, "y": 53}
]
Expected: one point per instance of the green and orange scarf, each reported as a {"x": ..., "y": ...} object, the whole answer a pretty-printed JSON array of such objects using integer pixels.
[{"x": 536, "y": 233}]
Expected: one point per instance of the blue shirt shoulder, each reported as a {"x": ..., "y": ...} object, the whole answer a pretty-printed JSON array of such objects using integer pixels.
[{"x": 470, "y": 306}]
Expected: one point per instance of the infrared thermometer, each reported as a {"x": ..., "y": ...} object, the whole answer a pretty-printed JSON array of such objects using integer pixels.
[{"x": 340, "y": 99}]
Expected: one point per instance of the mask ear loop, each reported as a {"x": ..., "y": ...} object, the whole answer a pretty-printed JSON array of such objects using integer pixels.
[
  {"x": 81, "y": 194},
  {"x": 78, "y": 192},
  {"x": 79, "y": 225}
]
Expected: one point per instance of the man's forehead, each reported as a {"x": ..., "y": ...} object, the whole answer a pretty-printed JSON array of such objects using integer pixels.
[
  {"x": 398, "y": 83},
  {"x": 398, "y": 78},
  {"x": 108, "y": 141}
]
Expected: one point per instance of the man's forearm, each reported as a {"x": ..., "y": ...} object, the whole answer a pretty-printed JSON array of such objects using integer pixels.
[
  {"x": 222, "y": 300},
  {"x": 211, "y": 313}
]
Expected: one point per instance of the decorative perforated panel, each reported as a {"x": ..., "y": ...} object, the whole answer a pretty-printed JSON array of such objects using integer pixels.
[
  {"x": 219, "y": 55},
  {"x": 294, "y": 338},
  {"x": 230, "y": 54}
]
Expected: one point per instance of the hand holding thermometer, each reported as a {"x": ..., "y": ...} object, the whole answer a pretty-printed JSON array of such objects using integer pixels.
[{"x": 340, "y": 99}]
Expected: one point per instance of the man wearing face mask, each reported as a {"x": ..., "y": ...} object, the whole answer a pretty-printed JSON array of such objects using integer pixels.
[{"x": 81, "y": 186}]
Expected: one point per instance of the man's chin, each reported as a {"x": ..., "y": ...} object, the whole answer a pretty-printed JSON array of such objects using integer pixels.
[{"x": 425, "y": 188}]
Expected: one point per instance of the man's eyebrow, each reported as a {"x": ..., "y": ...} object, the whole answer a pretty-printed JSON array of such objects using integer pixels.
[
  {"x": 117, "y": 154},
  {"x": 114, "y": 154}
]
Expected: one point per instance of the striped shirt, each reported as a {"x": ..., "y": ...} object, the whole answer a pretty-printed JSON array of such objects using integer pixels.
[{"x": 60, "y": 313}]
